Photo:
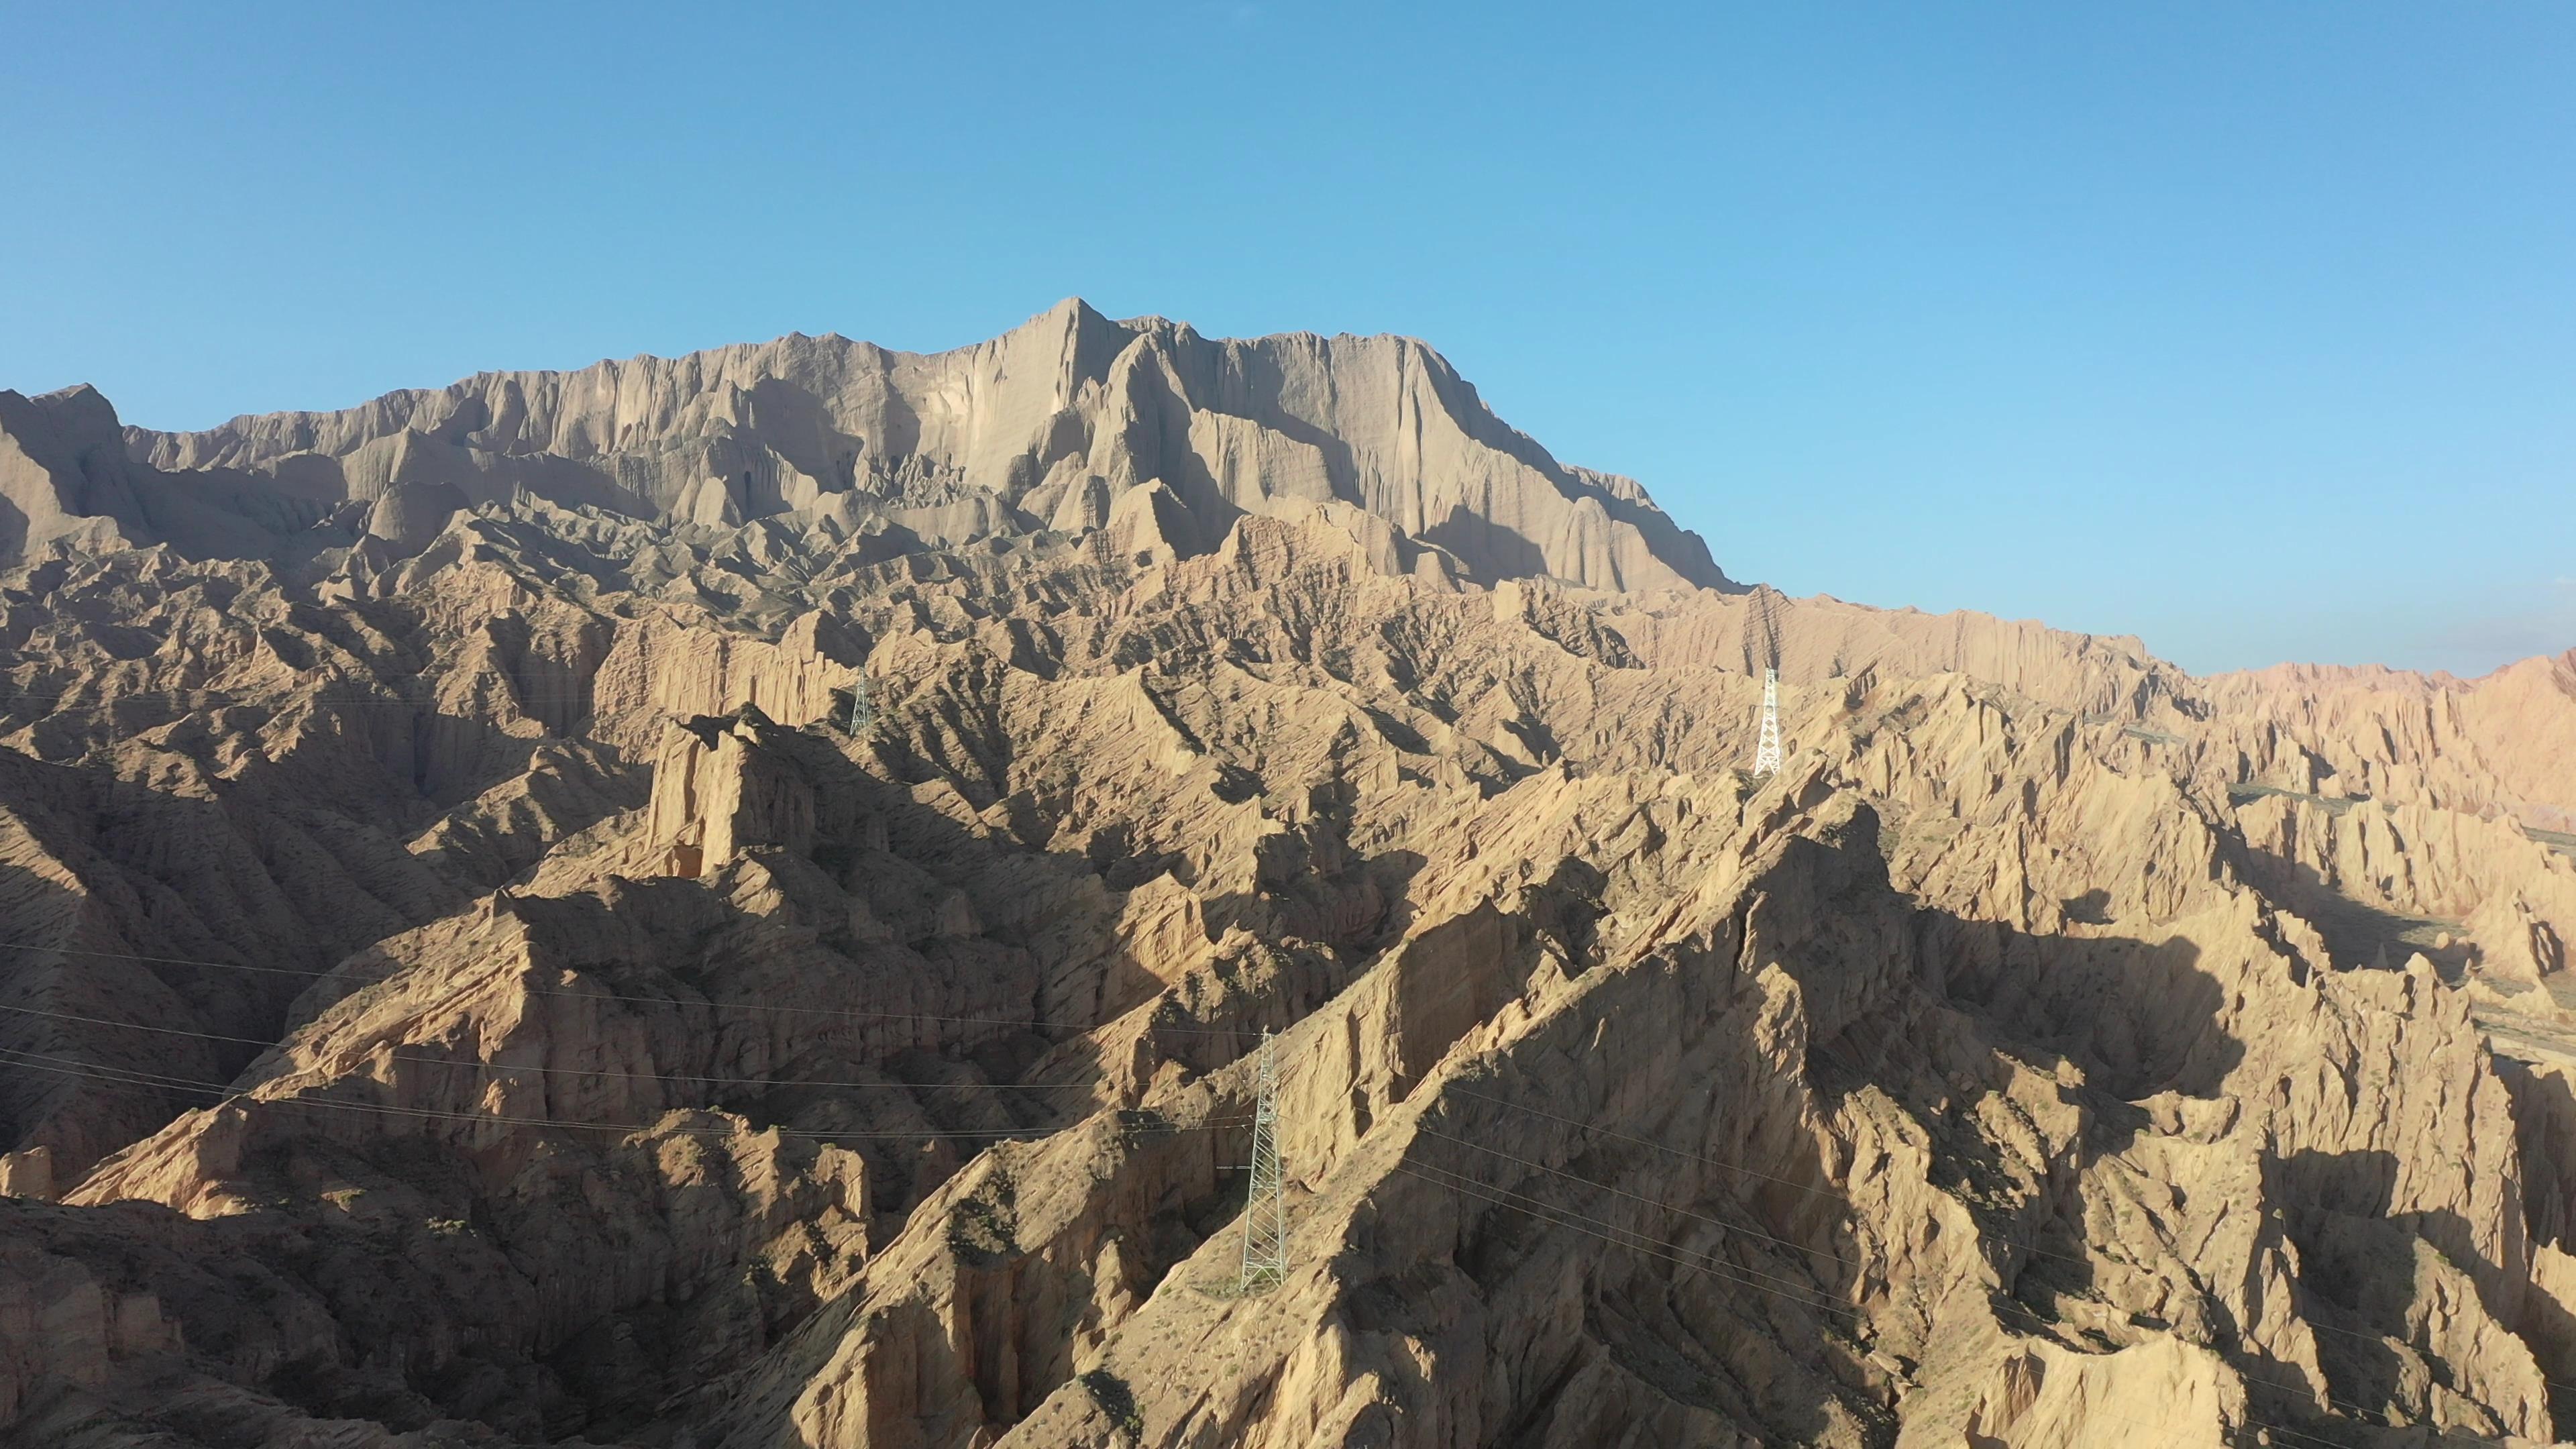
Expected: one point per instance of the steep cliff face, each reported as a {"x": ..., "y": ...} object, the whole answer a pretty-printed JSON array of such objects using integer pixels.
[
  {"x": 2497, "y": 745},
  {"x": 1049, "y": 427},
  {"x": 48, "y": 447},
  {"x": 577, "y": 950}
]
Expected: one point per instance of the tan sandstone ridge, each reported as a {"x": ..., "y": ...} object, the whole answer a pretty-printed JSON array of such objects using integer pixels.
[
  {"x": 1049, "y": 427},
  {"x": 736, "y": 902}
]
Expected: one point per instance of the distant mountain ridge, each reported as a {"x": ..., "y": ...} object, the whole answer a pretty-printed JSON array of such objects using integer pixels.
[{"x": 1047, "y": 427}]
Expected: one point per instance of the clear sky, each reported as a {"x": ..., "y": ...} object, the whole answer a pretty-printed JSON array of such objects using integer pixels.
[{"x": 2249, "y": 328}]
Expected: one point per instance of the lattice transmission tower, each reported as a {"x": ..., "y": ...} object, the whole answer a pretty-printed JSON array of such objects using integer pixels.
[
  {"x": 863, "y": 710},
  {"x": 1265, "y": 1208},
  {"x": 1766, "y": 755}
]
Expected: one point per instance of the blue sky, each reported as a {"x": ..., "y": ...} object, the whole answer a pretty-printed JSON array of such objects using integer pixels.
[{"x": 2248, "y": 328}]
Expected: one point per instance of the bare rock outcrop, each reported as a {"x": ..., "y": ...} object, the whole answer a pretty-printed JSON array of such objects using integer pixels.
[
  {"x": 739, "y": 900},
  {"x": 1052, "y": 426}
]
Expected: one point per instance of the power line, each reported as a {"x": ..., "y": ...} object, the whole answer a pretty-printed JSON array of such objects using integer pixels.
[
  {"x": 497, "y": 1067},
  {"x": 1649, "y": 1142},
  {"x": 138, "y": 1026},
  {"x": 1788, "y": 1284},
  {"x": 1550, "y": 1214},
  {"x": 1027, "y": 1025},
  {"x": 124, "y": 1077},
  {"x": 1536, "y": 1208},
  {"x": 1650, "y": 1202},
  {"x": 591, "y": 702},
  {"x": 112, "y": 693},
  {"x": 1826, "y": 1193},
  {"x": 1608, "y": 1233},
  {"x": 1830, "y": 1195},
  {"x": 1566, "y": 1218},
  {"x": 85, "y": 700}
]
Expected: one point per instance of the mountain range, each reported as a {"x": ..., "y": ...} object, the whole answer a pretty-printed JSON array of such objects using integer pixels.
[{"x": 759, "y": 900}]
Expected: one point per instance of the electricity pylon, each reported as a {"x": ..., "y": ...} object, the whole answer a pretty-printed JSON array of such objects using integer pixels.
[
  {"x": 1766, "y": 755},
  {"x": 1265, "y": 1208},
  {"x": 863, "y": 711}
]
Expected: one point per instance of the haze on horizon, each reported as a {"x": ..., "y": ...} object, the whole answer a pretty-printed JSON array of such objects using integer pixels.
[{"x": 2246, "y": 331}]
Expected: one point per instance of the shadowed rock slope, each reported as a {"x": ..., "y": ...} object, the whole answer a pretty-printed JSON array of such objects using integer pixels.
[
  {"x": 1051, "y": 427},
  {"x": 555, "y": 941}
]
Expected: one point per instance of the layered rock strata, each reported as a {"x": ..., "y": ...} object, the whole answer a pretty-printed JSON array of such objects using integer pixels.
[{"x": 733, "y": 902}]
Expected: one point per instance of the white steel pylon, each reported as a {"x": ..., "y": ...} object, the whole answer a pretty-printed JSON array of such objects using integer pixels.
[
  {"x": 1766, "y": 755},
  {"x": 1265, "y": 1208}
]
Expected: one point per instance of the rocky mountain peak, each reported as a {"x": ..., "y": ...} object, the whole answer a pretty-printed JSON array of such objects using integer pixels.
[
  {"x": 1041, "y": 431},
  {"x": 757, "y": 900}
]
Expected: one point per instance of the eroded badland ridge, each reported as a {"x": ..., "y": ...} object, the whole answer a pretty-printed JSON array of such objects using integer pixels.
[{"x": 734, "y": 901}]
